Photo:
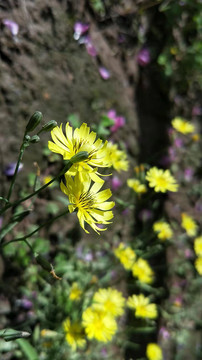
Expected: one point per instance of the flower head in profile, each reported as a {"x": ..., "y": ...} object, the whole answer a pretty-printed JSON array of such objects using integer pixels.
[
  {"x": 183, "y": 126},
  {"x": 126, "y": 256},
  {"x": 154, "y": 352},
  {"x": 189, "y": 225},
  {"x": 98, "y": 324},
  {"x": 142, "y": 270},
  {"x": 142, "y": 306},
  {"x": 198, "y": 264},
  {"x": 75, "y": 292},
  {"x": 81, "y": 139},
  {"x": 163, "y": 230},
  {"x": 110, "y": 300},
  {"x": 136, "y": 185},
  {"x": 74, "y": 334},
  {"x": 91, "y": 205},
  {"x": 198, "y": 246},
  {"x": 117, "y": 157},
  {"x": 161, "y": 180}
]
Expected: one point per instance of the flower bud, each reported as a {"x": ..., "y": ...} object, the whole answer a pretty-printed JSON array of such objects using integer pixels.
[
  {"x": 34, "y": 121},
  {"x": 80, "y": 156},
  {"x": 50, "y": 125},
  {"x": 34, "y": 139},
  {"x": 27, "y": 137},
  {"x": 10, "y": 334}
]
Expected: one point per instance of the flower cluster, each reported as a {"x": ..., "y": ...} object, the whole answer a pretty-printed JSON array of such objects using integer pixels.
[{"x": 82, "y": 182}]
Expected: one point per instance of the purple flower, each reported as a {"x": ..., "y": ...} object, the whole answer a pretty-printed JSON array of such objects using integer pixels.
[
  {"x": 115, "y": 183},
  {"x": 145, "y": 215},
  {"x": 196, "y": 111},
  {"x": 188, "y": 253},
  {"x": 12, "y": 26},
  {"x": 144, "y": 57},
  {"x": 10, "y": 169},
  {"x": 104, "y": 352},
  {"x": 188, "y": 174},
  {"x": 80, "y": 29},
  {"x": 119, "y": 122},
  {"x": 171, "y": 153},
  {"x": 112, "y": 114},
  {"x": 125, "y": 212},
  {"x": 164, "y": 333},
  {"x": 178, "y": 142},
  {"x": 104, "y": 73},
  {"x": 91, "y": 50}
]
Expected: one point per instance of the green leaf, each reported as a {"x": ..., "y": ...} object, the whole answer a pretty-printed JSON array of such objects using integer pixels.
[
  {"x": 74, "y": 120},
  {"x": 106, "y": 121},
  {"x": 27, "y": 349}
]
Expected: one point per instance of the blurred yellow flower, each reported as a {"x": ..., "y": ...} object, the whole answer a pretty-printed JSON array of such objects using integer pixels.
[
  {"x": 81, "y": 139},
  {"x": 91, "y": 205},
  {"x": 125, "y": 255},
  {"x": 198, "y": 264},
  {"x": 118, "y": 158},
  {"x": 189, "y": 225},
  {"x": 198, "y": 246},
  {"x": 161, "y": 180},
  {"x": 74, "y": 334},
  {"x": 98, "y": 324},
  {"x": 142, "y": 306},
  {"x": 136, "y": 185},
  {"x": 110, "y": 300},
  {"x": 163, "y": 230},
  {"x": 75, "y": 292},
  {"x": 46, "y": 180},
  {"x": 196, "y": 137},
  {"x": 142, "y": 270},
  {"x": 154, "y": 352},
  {"x": 183, "y": 126}
]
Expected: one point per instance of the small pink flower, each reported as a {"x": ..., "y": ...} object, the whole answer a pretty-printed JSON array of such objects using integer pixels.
[
  {"x": 188, "y": 253},
  {"x": 104, "y": 73},
  {"x": 80, "y": 29},
  {"x": 112, "y": 114},
  {"x": 164, "y": 333},
  {"x": 12, "y": 26},
  {"x": 144, "y": 57},
  {"x": 178, "y": 143},
  {"x": 119, "y": 122},
  {"x": 91, "y": 50},
  {"x": 115, "y": 183},
  {"x": 196, "y": 111},
  {"x": 188, "y": 174}
]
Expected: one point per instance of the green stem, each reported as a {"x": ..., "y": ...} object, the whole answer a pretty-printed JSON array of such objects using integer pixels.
[
  {"x": 24, "y": 238},
  {"x": 22, "y": 149}
]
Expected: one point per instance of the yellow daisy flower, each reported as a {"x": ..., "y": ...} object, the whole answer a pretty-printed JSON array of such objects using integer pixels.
[
  {"x": 161, "y": 180},
  {"x": 142, "y": 306},
  {"x": 110, "y": 300},
  {"x": 126, "y": 256},
  {"x": 136, "y": 185},
  {"x": 98, "y": 324},
  {"x": 81, "y": 139},
  {"x": 75, "y": 292},
  {"x": 183, "y": 126},
  {"x": 91, "y": 205},
  {"x": 74, "y": 334},
  {"x": 189, "y": 225},
  {"x": 142, "y": 270},
  {"x": 118, "y": 158},
  {"x": 163, "y": 230},
  {"x": 198, "y": 265},
  {"x": 154, "y": 352},
  {"x": 198, "y": 246}
]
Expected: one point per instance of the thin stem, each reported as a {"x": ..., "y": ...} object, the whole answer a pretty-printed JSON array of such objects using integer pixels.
[
  {"x": 22, "y": 149},
  {"x": 24, "y": 238}
]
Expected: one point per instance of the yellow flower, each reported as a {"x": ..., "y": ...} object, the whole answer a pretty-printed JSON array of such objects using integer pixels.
[
  {"x": 163, "y": 230},
  {"x": 136, "y": 185},
  {"x": 198, "y": 265},
  {"x": 126, "y": 256},
  {"x": 198, "y": 246},
  {"x": 80, "y": 140},
  {"x": 75, "y": 292},
  {"x": 110, "y": 300},
  {"x": 46, "y": 180},
  {"x": 91, "y": 205},
  {"x": 154, "y": 352},
  {"x": 117, "y": 157},
  {"x": 142, "y": 270},
  {"x": 189, "y": 225},
  {"x": 98, "y": 324},
  {"x": 196, "y": 137},
  {"x": 161, "y": 180},
  {"x": 74, "y": 334},
  {"x": 142, "y": 306},
  {"x": 183, "y": 126}
]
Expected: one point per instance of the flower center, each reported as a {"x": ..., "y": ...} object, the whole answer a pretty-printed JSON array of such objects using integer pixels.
[
  {"x": 86, "y": 201},
  {"x": 161, "y": 182}
]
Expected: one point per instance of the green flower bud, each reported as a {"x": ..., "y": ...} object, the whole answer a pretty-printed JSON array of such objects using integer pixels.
[
  {"x": 50, "y": 125},
  {"x": 80, "y": 156},
  {"x": 27, "y": 137},
  {"x": 34, "y": 121},
  {"x": 35, "y": 139},
  {"x": 10, "y": 334}
]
